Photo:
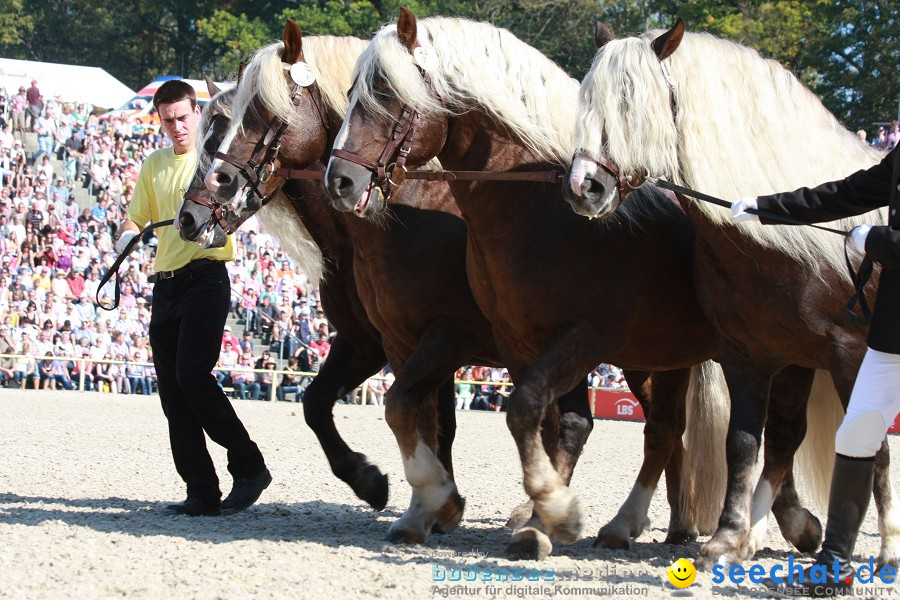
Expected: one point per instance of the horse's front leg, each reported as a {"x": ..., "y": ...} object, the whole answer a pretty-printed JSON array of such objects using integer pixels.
[
  {"x": 558, "y": 511},
  {"x": 414, "y": 423},
  {"x": 348, "y": 364},
  {"x": 748, "y": 385},
  {"x": 786, "y": 428}
]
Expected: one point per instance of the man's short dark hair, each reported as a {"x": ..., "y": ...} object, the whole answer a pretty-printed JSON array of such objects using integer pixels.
[{"x": 174, "y": 90}]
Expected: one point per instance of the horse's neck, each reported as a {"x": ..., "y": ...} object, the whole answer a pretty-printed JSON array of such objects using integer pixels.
[
  {"x": 309, "y": 200},
  {"x": 476, "y": 143}
]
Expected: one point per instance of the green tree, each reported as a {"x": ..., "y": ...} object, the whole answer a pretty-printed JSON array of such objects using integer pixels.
[{"x": 231, "y": 39}]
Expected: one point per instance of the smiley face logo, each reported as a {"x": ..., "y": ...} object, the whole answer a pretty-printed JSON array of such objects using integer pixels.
[{"x": 682, "y": 573}]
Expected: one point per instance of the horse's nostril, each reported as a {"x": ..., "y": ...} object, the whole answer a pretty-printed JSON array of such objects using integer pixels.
[
  {"x": 223, "y": 179},
  {"x": 341, "y": 187},
  {"x": 592, "y": 187},
  {"x": 186, "y": 220}
]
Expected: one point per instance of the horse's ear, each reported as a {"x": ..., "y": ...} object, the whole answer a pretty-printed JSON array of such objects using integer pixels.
[
  {"x": 241, "y": 68},
  {"x": 293, "y": 43},
  {"x": 668, "y": 42},
  {"x": 407, "y": 29},
  {"x": 602, "y": 35},
  {"x": 211, "y": 86}
]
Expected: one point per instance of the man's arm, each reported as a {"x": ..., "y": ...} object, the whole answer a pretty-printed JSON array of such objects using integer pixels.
[{"x": 859, "y": 193}]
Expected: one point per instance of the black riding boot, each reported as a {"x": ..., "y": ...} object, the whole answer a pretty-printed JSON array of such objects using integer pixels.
[{"x": 851, "y": 488}]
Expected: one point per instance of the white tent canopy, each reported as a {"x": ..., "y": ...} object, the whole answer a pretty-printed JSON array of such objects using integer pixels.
[{"x": 70, "y": 82}]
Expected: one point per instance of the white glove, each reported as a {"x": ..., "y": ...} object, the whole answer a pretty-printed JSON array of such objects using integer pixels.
[
  {"x": 124, "y": 240},
  {"x": 858, "y": 237},
  {"x": 739, "y": 210}
]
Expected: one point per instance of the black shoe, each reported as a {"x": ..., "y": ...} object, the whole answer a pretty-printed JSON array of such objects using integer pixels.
[
  {"x": 851, "y": 487},
  {"x": 195, "y": 507},
  {"x": 245, "y": 492}
]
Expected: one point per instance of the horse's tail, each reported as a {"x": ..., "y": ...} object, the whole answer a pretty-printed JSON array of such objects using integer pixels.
[
  {"x": 814, "y": 460},
  {"x": 704, "y": 472}
]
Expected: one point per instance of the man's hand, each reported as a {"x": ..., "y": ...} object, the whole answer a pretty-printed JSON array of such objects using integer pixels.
[
  {"x": 124, "y": 240},
  {"x": 740, "y": 207},
  {"x": 858, "y": 237}
]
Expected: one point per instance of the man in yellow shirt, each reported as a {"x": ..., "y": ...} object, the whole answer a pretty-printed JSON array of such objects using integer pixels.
[{"x": 191, "y": 297}]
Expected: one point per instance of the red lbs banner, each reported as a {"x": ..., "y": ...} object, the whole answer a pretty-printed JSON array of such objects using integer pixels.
[
  {"x": 615, "y": 404},
  {"x": 622, "y": 405}
]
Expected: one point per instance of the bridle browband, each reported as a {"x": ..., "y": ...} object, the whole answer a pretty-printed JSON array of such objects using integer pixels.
[
  {"x": 260, "y": 167},
  {"x": 388, "y": 175}
]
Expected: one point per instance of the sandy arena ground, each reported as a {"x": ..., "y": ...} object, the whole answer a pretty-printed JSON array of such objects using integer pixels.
[{"x": 84, "y": 478}]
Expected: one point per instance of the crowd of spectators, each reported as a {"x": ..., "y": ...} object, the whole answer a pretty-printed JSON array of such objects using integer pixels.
[{"x": 53, "y": 254}]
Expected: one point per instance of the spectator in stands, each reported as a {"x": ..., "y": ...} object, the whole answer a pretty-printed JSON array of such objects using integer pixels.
[
  {"x": 19, "y": 108},
  {"x": 290, "y": 382},
  {"x": 25, "y": 367},
  {"x": 7, "y": 363},
  {"x": 104, "y": 375},
  {"x": 35, "y": 104},
  {"x": 321, "y": 346},
  {"x": 268, "y": 315},
  {"x": 893, "y": 137},
  {"x": 244, "y": 380},
  {"x": 465, "y": 391},
  {"x": 266, "y": 378}
]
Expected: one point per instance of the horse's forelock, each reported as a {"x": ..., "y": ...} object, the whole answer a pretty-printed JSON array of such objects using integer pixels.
[
  {"x": 624, "y": 98},
  {"x": 331, "y": 60}
]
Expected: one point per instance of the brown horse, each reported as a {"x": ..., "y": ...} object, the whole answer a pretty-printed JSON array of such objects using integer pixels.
[
  {"x": 474, "y": 97},
  {"x": 381, "y": 252},
  {"x": 356, "y": 352},
  {"x": 776, "y": 294},
  {"x": 417, "y": 305}
]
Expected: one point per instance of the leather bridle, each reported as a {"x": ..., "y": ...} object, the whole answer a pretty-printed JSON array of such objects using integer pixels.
[
  {"x": 624, "y": 185},
  {"x": 388, "y": 175},
  {"x": 260, "y": 167}
]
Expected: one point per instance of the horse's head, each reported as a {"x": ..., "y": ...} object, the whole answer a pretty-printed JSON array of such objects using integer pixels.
[
  {"x": 626, "y": 76},
  {"x": 198, "y": 219},
  {"x": 396, "y": 119},
  {"x": 278, "y": 122}
]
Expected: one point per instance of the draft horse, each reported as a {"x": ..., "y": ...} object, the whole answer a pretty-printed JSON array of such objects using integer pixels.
[
  {"x": 715, "y": 116},
  {"x": 416, "y": 305},
  {"x": 404, "y": 238},
  {"x": 480, "y": 100}
]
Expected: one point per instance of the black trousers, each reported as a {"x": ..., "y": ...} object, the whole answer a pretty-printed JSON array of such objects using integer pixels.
[{"x": 189, "y": 312}]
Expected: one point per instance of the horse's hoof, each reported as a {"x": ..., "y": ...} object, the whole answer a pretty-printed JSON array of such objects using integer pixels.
[
  {"x": 520, "y": 515},
  {"x": 448, "y": 516},
  {"x": 679, "y": 538},
  {"x": 398, "y": 534},
  {"x": 612, "y": 538},
  {"x": 888, "y": 557},
  {"x": 801, "y": 529},
  {"x": 529, "y": 544},
  {"x": 568, "y": 530},
  {"x": 707, "y": 562},
  {"x": 371, "y": 486}
]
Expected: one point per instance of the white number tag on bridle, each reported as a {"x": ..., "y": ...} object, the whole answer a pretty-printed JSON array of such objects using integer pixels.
[
  {"x": 302, "y": 74},
  {"x": 423, "y": 58}
]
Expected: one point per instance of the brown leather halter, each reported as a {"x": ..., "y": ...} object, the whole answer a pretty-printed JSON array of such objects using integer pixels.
[
  {"x": 624, "y": 185},
  {"x": 260, "y": 168},
  {"x": 388, "y": 175}
]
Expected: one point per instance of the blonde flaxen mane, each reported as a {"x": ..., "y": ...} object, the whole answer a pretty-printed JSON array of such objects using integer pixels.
[
  {"x": 476, "y": 63},
  {"x": 743, "y": 126},
  {"x": 331, "y": 59}
]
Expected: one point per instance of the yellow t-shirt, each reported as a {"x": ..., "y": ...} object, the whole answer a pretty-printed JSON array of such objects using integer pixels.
[{"x": 161, "y": 185}]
